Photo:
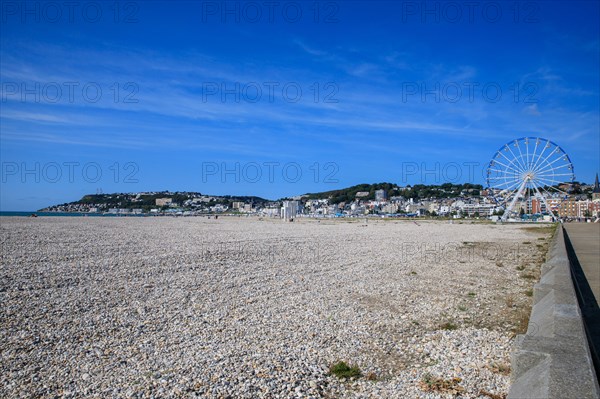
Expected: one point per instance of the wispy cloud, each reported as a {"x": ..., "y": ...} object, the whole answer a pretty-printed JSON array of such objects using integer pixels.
[
  {"x": 170, "y": 99},
  {"x": 33, "y": 117},
  {"x": 310, "y": 50},
  {"x": 532, "y": 110}
]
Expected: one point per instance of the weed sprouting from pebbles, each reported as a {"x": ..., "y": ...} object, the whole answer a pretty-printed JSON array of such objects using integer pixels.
[
  {"x": 343, "y": 370},
  {"x": 528, "y": 276},
  {"x": 449, "y": 326}
]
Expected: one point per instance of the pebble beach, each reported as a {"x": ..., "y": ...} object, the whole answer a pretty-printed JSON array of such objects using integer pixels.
[{"x": 238, "y": 307}]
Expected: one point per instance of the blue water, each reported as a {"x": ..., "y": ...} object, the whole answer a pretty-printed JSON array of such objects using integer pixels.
[{"x": 65, "y": 214}]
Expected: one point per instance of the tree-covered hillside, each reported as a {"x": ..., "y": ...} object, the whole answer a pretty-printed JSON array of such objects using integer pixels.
[{"x": 418, "y": 191}]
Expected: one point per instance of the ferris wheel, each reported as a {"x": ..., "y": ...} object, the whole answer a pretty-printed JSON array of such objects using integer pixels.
[{"x": 529, "y": 175}]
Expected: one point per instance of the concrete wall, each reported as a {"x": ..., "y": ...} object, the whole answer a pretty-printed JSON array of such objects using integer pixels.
[{"x": 552, "y": 360}]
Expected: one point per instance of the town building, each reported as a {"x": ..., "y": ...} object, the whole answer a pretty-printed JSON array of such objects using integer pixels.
[
  {"x": 380, "y": 195},
  {"x": 289, "y": 210}
]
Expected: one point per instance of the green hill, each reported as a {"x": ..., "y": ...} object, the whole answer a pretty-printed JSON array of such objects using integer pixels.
[{"x": 418, "y": 191}]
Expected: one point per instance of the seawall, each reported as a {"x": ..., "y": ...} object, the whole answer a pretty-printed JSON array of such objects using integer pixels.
[{"x": 553, "y": 359}]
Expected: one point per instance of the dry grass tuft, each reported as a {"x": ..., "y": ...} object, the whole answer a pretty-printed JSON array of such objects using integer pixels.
[
  {"x": 510, "y": 301},
  {"x": 430, "y": 383},
  {"x": 371, "y": 376},
  {"x": 522, "y": 320},
  {"x": 492, "y": 395},
  {"x": 499, "y": 368}
]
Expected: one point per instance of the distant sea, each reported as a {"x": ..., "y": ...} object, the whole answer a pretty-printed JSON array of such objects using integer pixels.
[{"x": 76, "y": 214}]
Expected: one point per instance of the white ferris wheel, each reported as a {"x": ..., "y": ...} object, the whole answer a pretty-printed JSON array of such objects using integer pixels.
[{"x": 529, "y": 176}]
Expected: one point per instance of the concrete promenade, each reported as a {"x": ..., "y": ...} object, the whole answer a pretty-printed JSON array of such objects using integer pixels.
[
  {"x": 585, "y": 238},
  {"x": 583, "y": 248}
]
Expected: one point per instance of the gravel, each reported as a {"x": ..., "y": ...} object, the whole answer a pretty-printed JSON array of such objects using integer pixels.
[{"x": 249, "y": 308}]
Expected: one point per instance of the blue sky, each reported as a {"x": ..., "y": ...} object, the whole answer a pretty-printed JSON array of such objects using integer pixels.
[{"x": 247, "y": 99}]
